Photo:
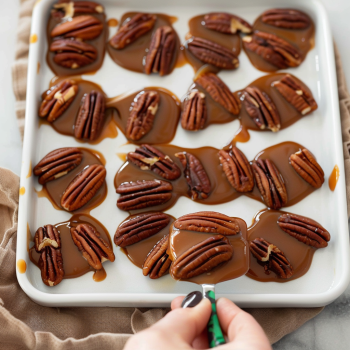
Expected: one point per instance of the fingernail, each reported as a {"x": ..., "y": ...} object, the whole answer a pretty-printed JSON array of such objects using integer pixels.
[{"x": 192, "y": 299}]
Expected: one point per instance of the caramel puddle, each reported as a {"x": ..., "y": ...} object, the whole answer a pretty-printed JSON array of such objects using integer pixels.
[{"x": 333, "y": 179}]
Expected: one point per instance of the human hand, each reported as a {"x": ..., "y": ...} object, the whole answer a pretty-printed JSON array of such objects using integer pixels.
[{"x": 186, "y": 329}]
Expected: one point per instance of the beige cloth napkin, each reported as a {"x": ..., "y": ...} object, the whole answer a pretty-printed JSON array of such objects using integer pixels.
[{"x": 26, "y": 325}]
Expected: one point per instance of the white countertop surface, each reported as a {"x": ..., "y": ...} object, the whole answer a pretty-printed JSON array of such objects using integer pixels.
[{"x": 330, "y": 329}]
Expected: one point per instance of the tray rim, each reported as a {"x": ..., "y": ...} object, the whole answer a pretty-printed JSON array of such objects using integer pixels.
[{"x": 163, "y": 299}]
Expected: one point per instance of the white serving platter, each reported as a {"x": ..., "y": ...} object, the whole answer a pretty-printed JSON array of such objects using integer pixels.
[{"x": 320, "y": 132}]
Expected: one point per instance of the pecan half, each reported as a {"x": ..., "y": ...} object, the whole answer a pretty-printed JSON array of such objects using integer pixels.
[
  {"x": 219, "y": 92},
  {"x": 148, "y": 157},
  {"x": 144, "y": 109},
  {"x": 83, "y": 187},
  {"x": 69, "y": 9},
  {"x": 93, "y": 248},
  {"x": 270, "y": 183},
  {"x": 47, "y": 242},
  {"x": 57, "y": 163},
  {"x": 196, "y": 176},
  {"x": 212, "y": 53},
  {"x": 194, "y": 111},
  {"x": 90, "y": 116},
  {"x": 208, "y": 222},
  {"x": 305, "y": 164},
  {"x": 71, "y": 53},
  {"x": 202, "y": 257},
  {"x": 286, "y": 18},
  {"x": 226, "y": 23},
  {"x": 139, "y": 228},
  {"x": 58, "y": 98},
  {"x": 304, "y": 230},
  {"x": 273, "y": 259},
  {"x": 261, "y": 109},
  {"x": 295, "y": 94},
  {"x": 132, "y": 29},
  {"x": 143, "y": 194},
  {"x": 161, "y": 51},
  {"x": 82, "y": 27},
  {"x": 157, "y": 262},
  {"x": 237, "y": 169},
  {"x": 46, "y": 236},
  {"x": 273, "y": 49}
]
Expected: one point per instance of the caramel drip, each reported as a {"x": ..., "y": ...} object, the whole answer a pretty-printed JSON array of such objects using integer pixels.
[
  {"x": 132, "y": 56},
  {"x": 21, "y": 266},
  {"x": 299, "y": 254},
  {"x": 22, "y": 191},
  {"x": 333, "y": 179},
  {"x": 222, "y": 191},
  {"x": 29, "y": 237},
  {"x": 29, "y": 171},
  {"x": 73, "y": 262},
  {"x": 54, "y": 190},
  {"x": 98, "y": 43},
  {"x": 33, "y": 39},
  {"x": 112, "y": 22}
]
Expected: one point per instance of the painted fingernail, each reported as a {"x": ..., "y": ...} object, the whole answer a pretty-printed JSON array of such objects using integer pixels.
[{"x": 192, "y": 299}]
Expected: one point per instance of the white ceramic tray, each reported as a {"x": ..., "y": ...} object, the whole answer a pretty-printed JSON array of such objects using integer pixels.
[{"x": 320, "y": 132}]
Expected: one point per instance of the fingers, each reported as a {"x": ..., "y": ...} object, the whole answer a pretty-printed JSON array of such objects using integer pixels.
[
  {"x": 186, "y": 324},
  {"x": 241, "y": 328},
  {"x": 176, "y": 303}
]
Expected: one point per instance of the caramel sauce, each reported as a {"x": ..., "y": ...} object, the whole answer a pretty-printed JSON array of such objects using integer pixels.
[
  {"x": 29, "y": 237},
  {"x": 22, "y": 191},
  {"x": 73, "y": 262},
  {"x": 333, "y": 179},
  {"x": 122, "y": 156},
  {"x": 222, "y": 191},
  {"x": 303, "y": 39},
  {"x": 33, "y": 39},
  {"x": 182, "y": 240},
  {"x": 54, "y": 190},
  {"x": 132, "y": 56},
  {"x": 98, "y": 43},
  {"x": 38, "y": 68},
  {"x": 112, "y": 22},
  {"x": 299, "y": 254},
  {"x": 29, "y": 171},
  {"x": 138, "y": 252},
  {"x": 197, "y": 29},
  {"x": 21, "y": 266},
  {"x": 65, "y": 123},
  {"x": 165, "y": 120}
]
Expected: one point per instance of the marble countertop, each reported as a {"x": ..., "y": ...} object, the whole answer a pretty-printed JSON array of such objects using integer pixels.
[{"x": 330, "y": 329}]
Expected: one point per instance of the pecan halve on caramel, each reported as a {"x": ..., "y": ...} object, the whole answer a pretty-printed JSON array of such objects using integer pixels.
[
  {"x": 57, "y": 99},
  {"x": 273, "y": 259},
  {"x": 90, "y": 116},
  {"x": 212, "y": 53},
  {"x": 270, "y": 183},
  {"x": 93, "y": 248},
  {"x": 143, "y": 111},
  {"x": 131, "y": 29},
  {"x": 304, "y": 229},
  {"x": 71, "y": 8},
  {"x": 219, "y": 92},
  {"x": 286, "y": 18},
  {"x": 161, "y": 51},
  {"x": 273, "y": 49},
  {"x": 83, "y": 187},
  {"x": 195, "y": 174},
  {"x": 47, "y": 242},
  {"x": 194, "y": 111},
  {"x": 143, "y": 194},
  {"x": 202, "y": 257},
  {"x": 57, "y": 163},
  {"x": 305, "y": 164},
  {"x": 261, "y": 108},
  {"x": 237, "y": 169},
  {"x": 82, "y": 27},
  {"x": 139, "y": 228},
  {"x": 71, "y": 53},
  {"x": 295, "y": 94},
  {"x": 148, "y": 157},
  {"x": 157, "y": 262},
  {"x": 208, "y": 222},
  {"x": 226, "y": 23}
]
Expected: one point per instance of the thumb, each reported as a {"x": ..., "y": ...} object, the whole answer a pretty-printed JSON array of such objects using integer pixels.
[{"x": 185, "y": 324}]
